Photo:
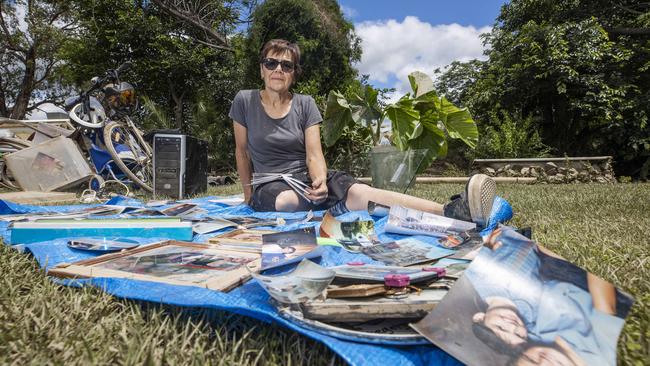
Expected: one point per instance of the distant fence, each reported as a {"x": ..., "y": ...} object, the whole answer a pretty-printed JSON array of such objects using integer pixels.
[{"x": 550, "y": 170}]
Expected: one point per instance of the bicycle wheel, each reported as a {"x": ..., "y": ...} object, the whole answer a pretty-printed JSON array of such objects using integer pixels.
[
  {"x": 94, "y": 119},
  {"x": 133, "y": 159}
]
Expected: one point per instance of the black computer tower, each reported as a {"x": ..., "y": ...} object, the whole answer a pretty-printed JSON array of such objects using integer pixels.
[{"x": 180, "y": 165}]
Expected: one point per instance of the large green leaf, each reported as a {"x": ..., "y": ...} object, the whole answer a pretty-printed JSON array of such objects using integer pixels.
[
  {"x": 427, "y": 102},
  {"x": 365, "y": 110},
  {"x": 435, "y": 144},
  {"x": 460, "y": 125},
  {"x": 421, "y": 83},
  {"x": 417, "y": 131},
  {"x": 403, "y": 118},
  {"x": 338, "y": 114},
  {"x": 371, "y": 95},
  {"x": 447, "y": 107}
]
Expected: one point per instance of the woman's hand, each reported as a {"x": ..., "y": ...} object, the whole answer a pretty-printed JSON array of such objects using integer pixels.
[
  {"x": 248, "y": 193},
  {"x": 318, "y": 192},
  {"x": 316, "y": 165}
]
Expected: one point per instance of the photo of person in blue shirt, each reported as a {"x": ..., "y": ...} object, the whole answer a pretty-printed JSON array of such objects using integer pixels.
[{"x": 535, "y": 298}]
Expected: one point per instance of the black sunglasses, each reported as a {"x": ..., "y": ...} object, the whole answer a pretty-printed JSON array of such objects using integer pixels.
[{"x": 271, "y": 64}]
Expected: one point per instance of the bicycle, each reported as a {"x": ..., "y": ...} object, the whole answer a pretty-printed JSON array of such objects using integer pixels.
[{"x": 120, "y": 136}]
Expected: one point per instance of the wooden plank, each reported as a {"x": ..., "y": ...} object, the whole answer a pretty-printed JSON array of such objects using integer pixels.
[
  {"x": 537, "y": 160},
  {"x": 35, "y": 198}
]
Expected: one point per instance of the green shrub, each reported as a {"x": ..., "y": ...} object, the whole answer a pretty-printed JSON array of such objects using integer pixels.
[{"x": 510, "y": 136}]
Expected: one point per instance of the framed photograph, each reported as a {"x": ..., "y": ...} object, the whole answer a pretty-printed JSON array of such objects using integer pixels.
[{"x": 172, "y": 262}]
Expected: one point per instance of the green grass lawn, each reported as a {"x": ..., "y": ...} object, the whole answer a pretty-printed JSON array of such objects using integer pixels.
[{"x": 603, "y": 228}]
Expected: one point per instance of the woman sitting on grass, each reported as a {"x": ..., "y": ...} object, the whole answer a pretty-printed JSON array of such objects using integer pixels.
[{"x": 277, "y": 131}]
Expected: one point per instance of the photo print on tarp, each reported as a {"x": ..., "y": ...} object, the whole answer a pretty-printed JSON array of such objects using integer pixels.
[
  {"x": 520, "y": 304},
  {"x": 351, "y": 235},
  {"x": 405, "y": 252},
  {"x": 288, "y": 247}
]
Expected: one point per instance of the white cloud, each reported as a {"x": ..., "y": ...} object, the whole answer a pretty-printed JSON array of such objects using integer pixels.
[{"x": 392, "y": 49}]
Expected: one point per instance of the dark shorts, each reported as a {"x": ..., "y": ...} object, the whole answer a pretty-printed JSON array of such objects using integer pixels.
[{"x": 338, "y": 184}]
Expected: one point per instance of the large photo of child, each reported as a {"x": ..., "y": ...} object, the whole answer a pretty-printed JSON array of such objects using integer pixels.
[{"x": 529, "y": 307}]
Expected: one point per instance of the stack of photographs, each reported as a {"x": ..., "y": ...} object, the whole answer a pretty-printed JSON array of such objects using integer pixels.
[
  {"x": 368, "y": 273},
  {"x": 361, "y": 309},
  {"x": 295, "y": 184}
]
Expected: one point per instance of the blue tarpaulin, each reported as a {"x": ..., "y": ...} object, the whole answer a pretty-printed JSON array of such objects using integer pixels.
[{"x": 249, "y": 299}]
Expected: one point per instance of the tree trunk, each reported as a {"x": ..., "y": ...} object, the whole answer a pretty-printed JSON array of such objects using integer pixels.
[
  {"x": 178, "y": 104},
  {"x": 3, "y": 101},
  {"x": 178, "y": 112},
  {"x": 26, "y": 87}
]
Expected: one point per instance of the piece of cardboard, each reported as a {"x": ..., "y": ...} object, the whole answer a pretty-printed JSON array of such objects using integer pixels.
[{"x": 38, "y": 198}]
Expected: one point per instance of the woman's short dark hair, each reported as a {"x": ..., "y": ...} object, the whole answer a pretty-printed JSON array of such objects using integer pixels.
[{"x": 281, "y": 46}]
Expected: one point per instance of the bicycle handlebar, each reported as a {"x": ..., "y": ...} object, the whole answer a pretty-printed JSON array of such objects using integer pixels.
[{"x": 111, "y": 75}]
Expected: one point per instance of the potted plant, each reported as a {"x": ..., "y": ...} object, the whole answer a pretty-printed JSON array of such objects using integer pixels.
[{"x": 421, "y": 122}]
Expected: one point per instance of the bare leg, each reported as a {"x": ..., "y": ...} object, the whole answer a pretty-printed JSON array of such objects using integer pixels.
[
  {"x": 287, "y": 201},
  {"x": 360, "y": 194}
]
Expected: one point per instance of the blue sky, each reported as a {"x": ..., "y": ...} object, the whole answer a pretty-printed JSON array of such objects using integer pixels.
[
  {"x": 399, "y": 37},
  {"x": 464, "y": 12}
]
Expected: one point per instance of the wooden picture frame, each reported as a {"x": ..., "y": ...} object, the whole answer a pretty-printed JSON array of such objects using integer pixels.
[
  {"x": 248, "y": 236},
  {"x": 415, "y": 306},
  {"x": 172, "y": 262}
]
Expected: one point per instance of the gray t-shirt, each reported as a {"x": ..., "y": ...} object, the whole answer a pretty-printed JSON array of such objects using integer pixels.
[{"x": 275, "y": 145}]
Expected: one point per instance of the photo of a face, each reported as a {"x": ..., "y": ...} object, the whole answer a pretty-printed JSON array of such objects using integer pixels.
[
  {"x": 284, "y": 246},
  {"x": 520, "y": 304}
]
